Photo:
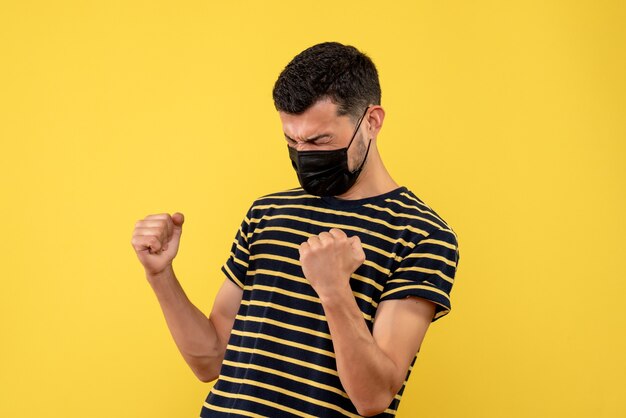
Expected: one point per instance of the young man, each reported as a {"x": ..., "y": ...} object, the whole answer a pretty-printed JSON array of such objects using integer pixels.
[{"x": 329, "y": 288}]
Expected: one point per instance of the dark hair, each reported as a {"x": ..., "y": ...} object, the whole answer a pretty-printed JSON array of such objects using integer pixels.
[{"x": 331, "y": 70}]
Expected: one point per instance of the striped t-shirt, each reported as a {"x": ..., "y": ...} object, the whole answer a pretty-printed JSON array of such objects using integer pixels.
[{"x": 279, "y": 361}]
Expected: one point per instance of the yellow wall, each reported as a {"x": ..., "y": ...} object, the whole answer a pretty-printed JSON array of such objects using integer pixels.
[{"x": 507, "y": 117}]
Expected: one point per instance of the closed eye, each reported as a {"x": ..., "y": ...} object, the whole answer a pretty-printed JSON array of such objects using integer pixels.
[{"x": 316, "y": 140}]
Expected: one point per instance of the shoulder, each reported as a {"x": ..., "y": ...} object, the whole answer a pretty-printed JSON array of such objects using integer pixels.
[
  {"x": 295, "y": 193},
  {"x": 430, "y": 222},
  {"x": 285, "y": 197}
]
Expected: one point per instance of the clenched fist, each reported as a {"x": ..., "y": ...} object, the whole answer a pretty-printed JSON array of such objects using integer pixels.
[
  {"x": 156, "y": 239},
  {"x": 329, "y": 259}
]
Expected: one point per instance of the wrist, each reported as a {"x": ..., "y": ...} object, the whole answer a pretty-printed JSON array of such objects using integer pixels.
[
  {"x": 164, "y": 274},
  {"x": 337, "y": 294}
]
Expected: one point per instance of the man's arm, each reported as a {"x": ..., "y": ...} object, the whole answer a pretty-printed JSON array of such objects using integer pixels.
[
  {"x": 201, "y": 341},
  {"x": 371, "y": 367}
]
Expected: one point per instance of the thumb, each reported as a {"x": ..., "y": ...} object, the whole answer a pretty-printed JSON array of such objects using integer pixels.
[
  {"x": 357, "y": 248},
  {"x": 178, "y": 219}
]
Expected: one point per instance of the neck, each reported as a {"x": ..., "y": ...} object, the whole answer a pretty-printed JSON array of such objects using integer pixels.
[{"x": 374, "y": 179}]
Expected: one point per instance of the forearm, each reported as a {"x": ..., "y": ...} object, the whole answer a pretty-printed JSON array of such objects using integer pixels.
[
  {"x": 194, "y": 334},
  {"x": 370, "y": 378}
]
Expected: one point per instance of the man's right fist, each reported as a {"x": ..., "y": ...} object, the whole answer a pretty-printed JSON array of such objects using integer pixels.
[{"x": 156, "y": 239}]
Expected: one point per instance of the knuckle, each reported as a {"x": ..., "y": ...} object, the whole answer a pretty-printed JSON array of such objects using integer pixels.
[{"x": 157, "y": 216}]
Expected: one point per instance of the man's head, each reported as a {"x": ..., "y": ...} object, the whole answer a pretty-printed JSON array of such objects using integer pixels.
[
  {"x": 328, "y": 100},
  {"x": 332, "y": 71}
]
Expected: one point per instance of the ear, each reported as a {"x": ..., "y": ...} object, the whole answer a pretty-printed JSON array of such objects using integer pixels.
[{"x": 375, "y": 119}]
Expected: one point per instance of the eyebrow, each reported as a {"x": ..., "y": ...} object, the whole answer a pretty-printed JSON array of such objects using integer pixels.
[{"x": 315, "y": 138}]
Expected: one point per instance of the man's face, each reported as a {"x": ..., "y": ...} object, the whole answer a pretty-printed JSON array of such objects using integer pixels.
[{"x": 319, "y": 128}]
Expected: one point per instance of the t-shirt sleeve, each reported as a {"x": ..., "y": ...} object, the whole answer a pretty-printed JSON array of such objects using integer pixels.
[
  {"x": 427, "y": 272},
  {"x": 236, "y": 266}
]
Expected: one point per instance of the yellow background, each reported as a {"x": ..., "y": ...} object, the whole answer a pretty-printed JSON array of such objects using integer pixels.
[{"x": 508, "y": 118}]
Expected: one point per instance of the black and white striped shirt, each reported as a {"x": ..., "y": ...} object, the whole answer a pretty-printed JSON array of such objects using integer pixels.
[{"x": 279, "y": 361}]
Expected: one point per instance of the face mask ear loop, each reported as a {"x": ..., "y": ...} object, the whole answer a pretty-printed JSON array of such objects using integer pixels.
[
  {"x": 357, "y": 128},
  {"x": 358, "y": 170}
]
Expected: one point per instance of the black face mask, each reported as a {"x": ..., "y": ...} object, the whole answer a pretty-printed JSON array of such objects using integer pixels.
[{"x": 326, "y": 173}]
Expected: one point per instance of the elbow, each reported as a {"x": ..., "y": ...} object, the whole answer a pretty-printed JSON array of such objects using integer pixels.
[
  {"x": 370, "y": 410},
  {"x": 374, "y": 406},
  {"x": 207, "y": 371},
  {"x": 206, "y": 376}
]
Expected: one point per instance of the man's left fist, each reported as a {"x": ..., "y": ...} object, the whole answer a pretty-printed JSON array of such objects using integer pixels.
[{"x": 329, "y": 259}]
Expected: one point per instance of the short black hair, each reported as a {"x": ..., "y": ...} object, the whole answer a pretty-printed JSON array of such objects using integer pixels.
[{"x": 330, "y": 70}]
